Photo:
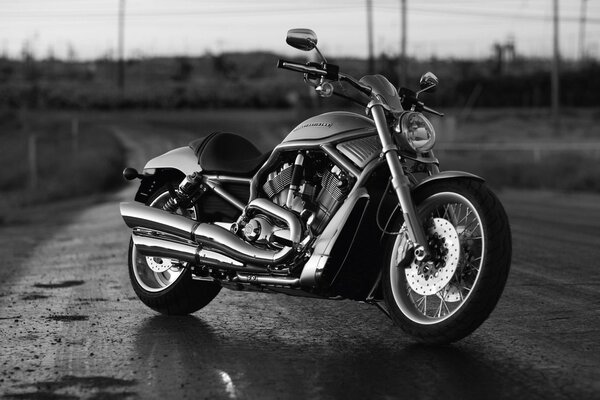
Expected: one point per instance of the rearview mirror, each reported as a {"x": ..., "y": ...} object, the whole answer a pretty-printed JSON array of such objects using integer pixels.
[
  {"x": 428, "y": 82},
  {"x": 302, "y": 39}
]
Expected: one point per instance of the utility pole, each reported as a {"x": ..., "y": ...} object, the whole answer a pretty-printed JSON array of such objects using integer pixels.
[
  {"x": 582, "y": 21},
  {"x": 403, "y": 57},
  {"x": 121, "y": 66},
  {"x": 370, "y": 36},
  {"x": 555, "y": 71}
]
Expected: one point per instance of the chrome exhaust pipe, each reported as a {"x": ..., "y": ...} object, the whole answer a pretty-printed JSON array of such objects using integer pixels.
[
  {"x": 163, "y": 247},
  {"x": 267, "y": 280},
  {"x": 213, "y": 237}
]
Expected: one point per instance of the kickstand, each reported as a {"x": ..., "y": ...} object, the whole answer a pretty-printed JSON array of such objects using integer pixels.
[{"x": 381, "y": 306}]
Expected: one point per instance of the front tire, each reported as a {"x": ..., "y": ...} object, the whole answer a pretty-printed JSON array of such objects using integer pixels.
[
  {"x": 446, "y": 299},
  {"x": 166, "y": 285}
]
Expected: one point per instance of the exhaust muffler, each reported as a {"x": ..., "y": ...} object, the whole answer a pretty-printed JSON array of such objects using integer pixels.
[{"x": 211, "y": 237}]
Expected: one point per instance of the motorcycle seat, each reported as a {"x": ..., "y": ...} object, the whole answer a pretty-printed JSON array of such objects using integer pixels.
[{"x": 228, "y": 153}]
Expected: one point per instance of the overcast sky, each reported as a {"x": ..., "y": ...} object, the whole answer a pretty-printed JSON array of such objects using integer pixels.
[{"x": 456, "y": 28}]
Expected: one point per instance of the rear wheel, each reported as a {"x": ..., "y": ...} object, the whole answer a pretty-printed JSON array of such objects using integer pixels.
[
  {"x": 165, "y": 284},
  {"x": 448, "y": 297}
]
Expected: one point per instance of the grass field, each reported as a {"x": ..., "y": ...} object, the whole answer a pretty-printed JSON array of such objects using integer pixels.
[
  {"x": 545, "y": 158},
  {"x": 68, "y": 165},
  {"x": 41, "y": 158}
]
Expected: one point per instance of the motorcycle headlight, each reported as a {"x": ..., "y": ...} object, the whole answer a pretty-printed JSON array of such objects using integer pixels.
[{"x": 415, "y": 131}]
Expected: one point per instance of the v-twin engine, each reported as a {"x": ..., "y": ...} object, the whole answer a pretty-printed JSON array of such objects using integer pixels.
[{"x": 319, "y": 194}]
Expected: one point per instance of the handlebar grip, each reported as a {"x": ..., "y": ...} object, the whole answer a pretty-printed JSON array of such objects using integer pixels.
[
  {"x": 307, "y": 69},
  {"x": 285, "y": 64},
  {"x": 280, "y": 63}
]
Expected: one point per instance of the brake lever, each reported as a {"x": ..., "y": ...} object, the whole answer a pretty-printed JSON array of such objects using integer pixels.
[
  {"x": 431, "y": 110},
  {"x": 409, "y": 99}
]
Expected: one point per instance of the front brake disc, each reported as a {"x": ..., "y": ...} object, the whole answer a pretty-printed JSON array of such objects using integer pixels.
[{"x": 432, "y": 277}]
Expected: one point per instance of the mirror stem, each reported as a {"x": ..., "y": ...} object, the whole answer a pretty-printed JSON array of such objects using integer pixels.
[
  {"x": 424, "y": 90},
  {"x": 320, "y": 55}
]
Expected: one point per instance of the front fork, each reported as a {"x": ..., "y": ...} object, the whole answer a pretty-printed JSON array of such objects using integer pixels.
[{"x": 401, "y": 184}]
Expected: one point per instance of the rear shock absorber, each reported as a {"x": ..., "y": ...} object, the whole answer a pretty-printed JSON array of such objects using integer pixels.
[
  {"x": 297, "y": 174},
  {"x": 182, "y": 196}
]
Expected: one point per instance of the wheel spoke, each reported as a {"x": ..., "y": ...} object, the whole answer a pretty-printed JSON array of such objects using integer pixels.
[
  {"x": 467, "y": 213},
  {"x": 446, "y": 212},
  {"x": 471, "y": 265},
  {"x": 466, "y": 228},
  {"x": 446, "y": 307},
  {"x": 454, "y": 214}
]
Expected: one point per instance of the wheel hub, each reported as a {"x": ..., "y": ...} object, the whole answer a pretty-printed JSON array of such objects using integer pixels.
[{"x": 427, "y": 278}]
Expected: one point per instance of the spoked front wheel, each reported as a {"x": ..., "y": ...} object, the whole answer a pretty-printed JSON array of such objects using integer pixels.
[{"x": 447, "y": 297}]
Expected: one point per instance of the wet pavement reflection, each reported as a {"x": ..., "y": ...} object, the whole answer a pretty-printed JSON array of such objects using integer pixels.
[{"x": 187, "y": 353}]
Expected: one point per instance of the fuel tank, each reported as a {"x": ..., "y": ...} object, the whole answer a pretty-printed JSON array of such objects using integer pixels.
[{"x": 329, "y": 127}]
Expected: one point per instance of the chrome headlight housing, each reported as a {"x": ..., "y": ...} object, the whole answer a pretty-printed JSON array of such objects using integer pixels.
[{"x": 415, "y": 131}]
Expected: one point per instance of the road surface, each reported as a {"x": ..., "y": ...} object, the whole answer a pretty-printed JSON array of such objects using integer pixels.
[{"x": 71, "y": 326}]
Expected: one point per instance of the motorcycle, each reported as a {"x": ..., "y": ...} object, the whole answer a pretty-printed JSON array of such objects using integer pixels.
[{"x": 345, "y": 207}]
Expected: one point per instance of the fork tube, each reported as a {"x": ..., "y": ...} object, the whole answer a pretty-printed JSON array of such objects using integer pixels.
[
  {"x": 400, "y": 182},
  {"x": 434, "y": 168}
]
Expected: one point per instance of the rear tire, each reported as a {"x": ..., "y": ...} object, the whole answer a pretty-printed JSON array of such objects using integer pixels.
[
  {"x": 446, "y": 300},
  {"x": 166, "y": 285}
]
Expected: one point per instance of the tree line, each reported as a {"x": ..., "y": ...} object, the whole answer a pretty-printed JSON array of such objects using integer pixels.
[{"x": 250, "y": 80}]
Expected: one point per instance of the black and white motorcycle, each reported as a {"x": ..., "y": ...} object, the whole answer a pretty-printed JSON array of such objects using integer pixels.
[{"x": 345, "y": 207}]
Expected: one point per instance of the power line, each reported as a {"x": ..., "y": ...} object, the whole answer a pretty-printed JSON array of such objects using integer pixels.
[
  {"x": 49, "y": 14},
  {"x": 500, "y": 15}
]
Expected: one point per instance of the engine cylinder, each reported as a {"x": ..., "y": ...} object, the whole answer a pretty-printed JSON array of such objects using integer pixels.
[{"x": 333, "y": 192}]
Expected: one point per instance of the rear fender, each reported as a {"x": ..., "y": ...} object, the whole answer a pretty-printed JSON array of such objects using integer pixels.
[
  {"x": 182, "y": 159},
  {"x": 171, "y": 166}
]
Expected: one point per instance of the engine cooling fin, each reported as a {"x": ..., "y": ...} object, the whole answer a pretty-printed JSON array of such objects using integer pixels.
[{"x": 281, "y": 181}]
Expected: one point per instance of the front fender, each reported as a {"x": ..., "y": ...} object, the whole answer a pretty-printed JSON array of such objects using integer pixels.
[{"x": 447, "y": 175}]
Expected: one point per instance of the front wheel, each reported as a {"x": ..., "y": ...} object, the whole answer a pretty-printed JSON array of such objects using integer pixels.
[{"x": 448, "y": 297}]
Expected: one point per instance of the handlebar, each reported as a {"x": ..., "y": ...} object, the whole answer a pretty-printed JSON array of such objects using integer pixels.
[
  {"x": 332, "y": 72},
  {"x": 328, "y": 71}
]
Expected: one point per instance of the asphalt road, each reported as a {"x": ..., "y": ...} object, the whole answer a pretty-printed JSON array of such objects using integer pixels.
[{"x": 71, "y": 326}]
